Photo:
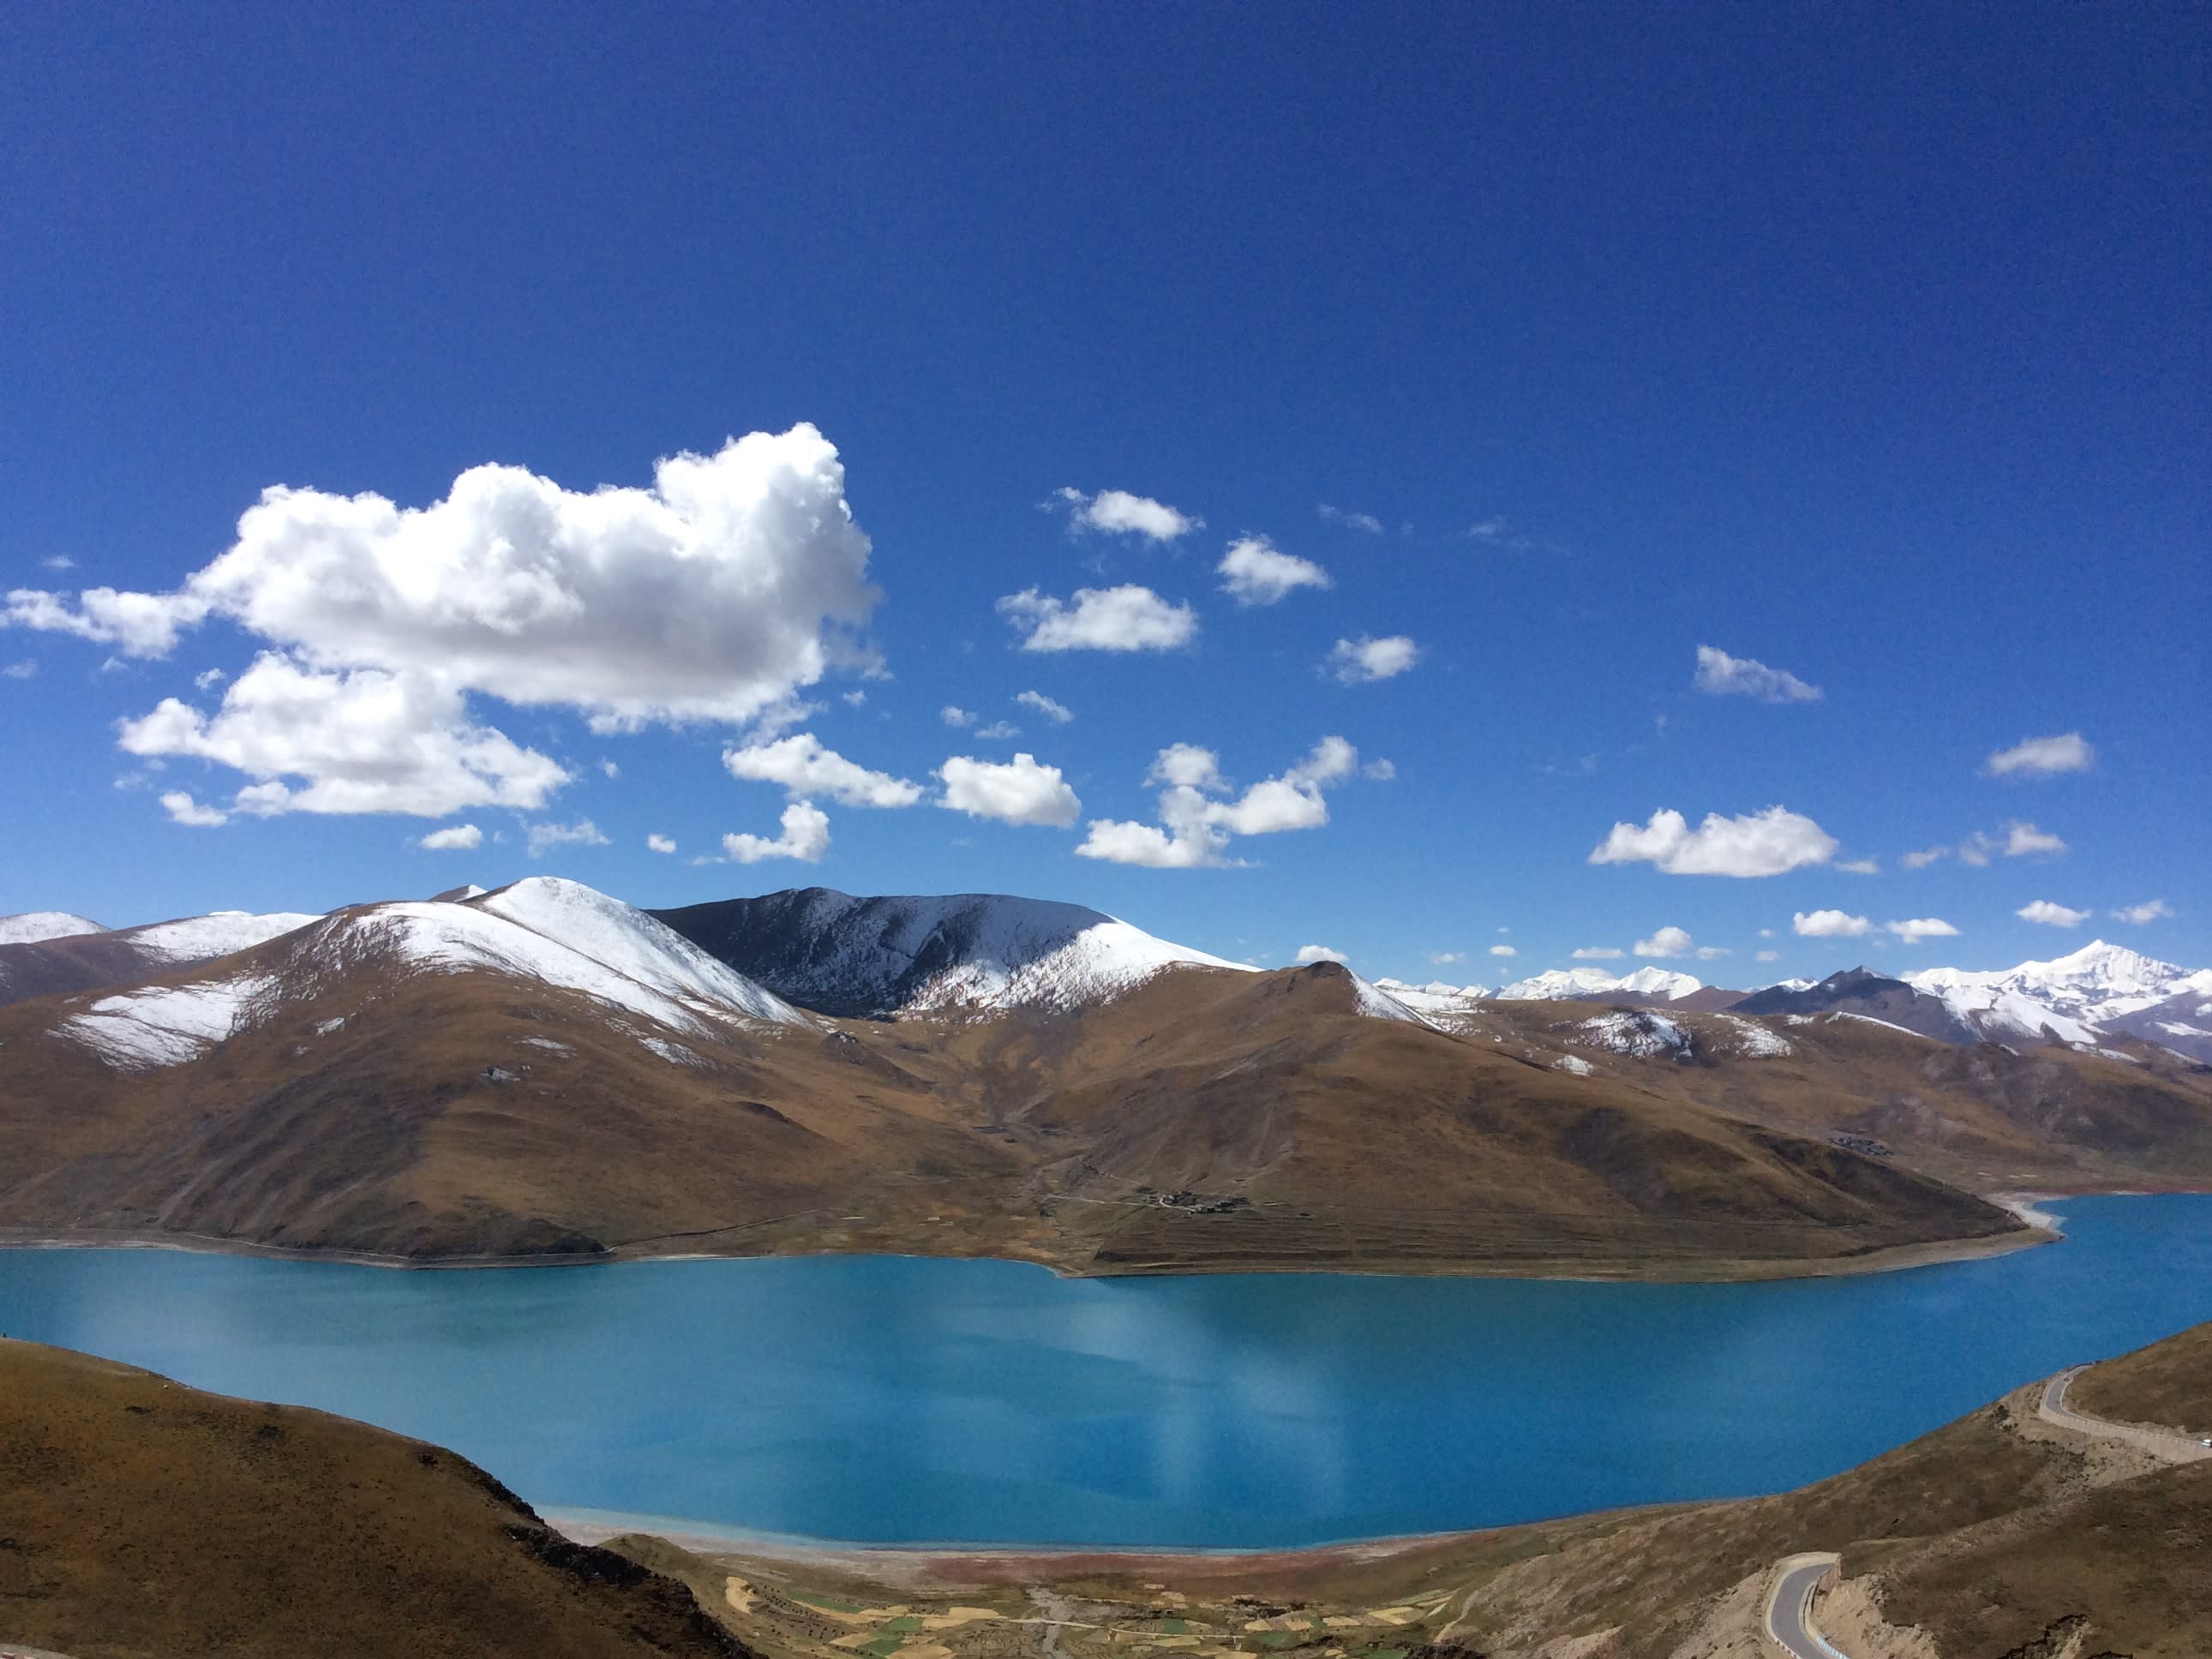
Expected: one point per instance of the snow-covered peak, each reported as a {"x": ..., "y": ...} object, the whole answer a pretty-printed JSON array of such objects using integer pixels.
[
  {"x": 2100, "y": 982},
  {"x": 547, "y": 932},
  {"x": 218, "y": 933},
  {"x": 1791, "y": 985},
  {"x": 33, "y": 926},
  {"x": 975, "y": 952},
  {"x": 1591, "y": 984},
  {"x": 626, "y": 942}
]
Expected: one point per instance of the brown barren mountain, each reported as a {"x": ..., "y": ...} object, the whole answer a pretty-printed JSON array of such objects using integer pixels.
[{"x": 372, "y": 1098}]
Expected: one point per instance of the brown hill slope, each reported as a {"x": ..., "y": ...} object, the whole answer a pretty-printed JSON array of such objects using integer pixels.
[
  {"x": 144, "y": 1518},
  {"x": 1207, "y": 1119}
]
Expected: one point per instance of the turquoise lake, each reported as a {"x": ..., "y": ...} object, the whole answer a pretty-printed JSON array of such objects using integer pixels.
[{"x": 896, "y": 1400}]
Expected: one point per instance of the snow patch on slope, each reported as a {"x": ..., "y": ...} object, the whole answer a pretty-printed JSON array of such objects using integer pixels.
[
  {"x": 1378, "y": 1003},
  {"x": 1636, "y": 1032},
  {"x": 1754, "y": 1040},
  {"x": 33, "y": 926},
  {"x": 167, "y": 1025},
  {"x": 1448, "y": 1006}
]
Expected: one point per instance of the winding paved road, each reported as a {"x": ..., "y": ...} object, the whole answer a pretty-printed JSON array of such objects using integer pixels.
[
  {"x": 1790, "y": 1606},
  {"x": 2160, "y": 1442}
]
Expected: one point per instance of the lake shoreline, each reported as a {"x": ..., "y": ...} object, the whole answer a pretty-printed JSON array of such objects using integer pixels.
[{"x": 2035, "y": 1228}]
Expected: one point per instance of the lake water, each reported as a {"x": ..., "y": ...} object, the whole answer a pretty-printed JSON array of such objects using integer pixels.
[{"x": 897, "y": 1399}]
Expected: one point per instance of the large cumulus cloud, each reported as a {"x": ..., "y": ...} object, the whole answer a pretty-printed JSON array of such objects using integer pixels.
[{"x": 718, "y": 593}]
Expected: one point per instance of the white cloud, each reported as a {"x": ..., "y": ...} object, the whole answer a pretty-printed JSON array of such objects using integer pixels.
[
  {"x": 1118, "y": 511},
  {"x": 2153, "y": 910},
  {"x": 1253, "y": 572},
  {"x": 1445, "y": 958},
  {"x": 1921, "y": 928},
  {"x": 953, "y": 715},
  {"x": 1019, "y": 791},
  {"x": 2050, "y": 914},
  {"x": 1595, "y": 953},
  {"x": 2042, "y": 756},
  {"x": 1365, "y": 659},
  {"x": 583, "y": 832},
  {"x": 1198, "y": 828},
  {"x": 19, "y": 671},
  {"x": 1860, "y": 867},
  {"x": 2025, "y": 840},
  {"x": 1366, "y": 522},
  {"x": 1058, "y": 713},
  {"x": 660, "y": 843},
  {"x": 1721, "y": 675},
  {"x": 58, "y": 562},
  {"x": 456, "y": 838},
  {"x": 805, "y": 837},
  {"x": 1711, "y": 952},
  {"x": 1119, "y": 841},
  {"x": 805, "y": 768},
  {"x": 183, "y": 809},
  {"x": 999, "y": 731},
  {"x": 853, "y": 698},
  {"x": 610, "y": 767},
  {"x": 1125, "y": 618},
  {"x": 1186, "y": 764},
  {"x": 1503, "y": 951},
  {"x": 1309, "y": 954},
  {"x": 363, "y": 740},
  {"x": 1667, "y": 942},
  {"x": 2018, "y": 841},
  {"x": 733, "y": 582},
  {"x": 1829, "y": 924},
  {"x": 1379, "y": 771},
  {"x": 208, "y": 678},
  {"x": 1767, "y": 956},
  {"x": 1765, "y": 843},
  {"x": 1921, "y": 859},
  {"x": 142, "y": 625}
]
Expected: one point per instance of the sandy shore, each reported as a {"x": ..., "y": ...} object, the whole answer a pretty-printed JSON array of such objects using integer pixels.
[
  {"x": 1722, "y": 1271},
  {"x": 947, "y": 1567}
]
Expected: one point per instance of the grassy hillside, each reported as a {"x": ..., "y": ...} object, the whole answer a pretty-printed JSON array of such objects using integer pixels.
[{"x": 140, "y": 1518}]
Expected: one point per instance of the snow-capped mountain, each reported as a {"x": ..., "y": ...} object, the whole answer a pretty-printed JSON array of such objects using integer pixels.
[
  {"x": 64, "y": 958},
  {"x": 2069, "y": 996},
  {"x": 33, "y": 926},
  {"x": 545, "y": 931},
  {"x": 1594, "y": 984},
  {"x": 980, "y": 952},
  {"x": 1857, "y": 993}
]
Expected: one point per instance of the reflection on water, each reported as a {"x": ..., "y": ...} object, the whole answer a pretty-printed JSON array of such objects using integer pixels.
[{"x": 896, "y": 1400}]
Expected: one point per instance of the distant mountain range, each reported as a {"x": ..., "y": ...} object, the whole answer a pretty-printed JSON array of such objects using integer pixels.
[
  {"x": 2090, "y": 998},
  {"x": 544, "y": 1070}
]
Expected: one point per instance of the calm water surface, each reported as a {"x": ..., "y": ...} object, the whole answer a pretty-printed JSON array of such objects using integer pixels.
[{"x": 896, "y": 1400}]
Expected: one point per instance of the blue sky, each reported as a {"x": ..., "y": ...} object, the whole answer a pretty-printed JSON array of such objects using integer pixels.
[{"x": 1564, "y": 340}]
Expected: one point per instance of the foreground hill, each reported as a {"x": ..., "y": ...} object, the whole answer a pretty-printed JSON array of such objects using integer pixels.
[{"x": 143, "y": 1517}]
